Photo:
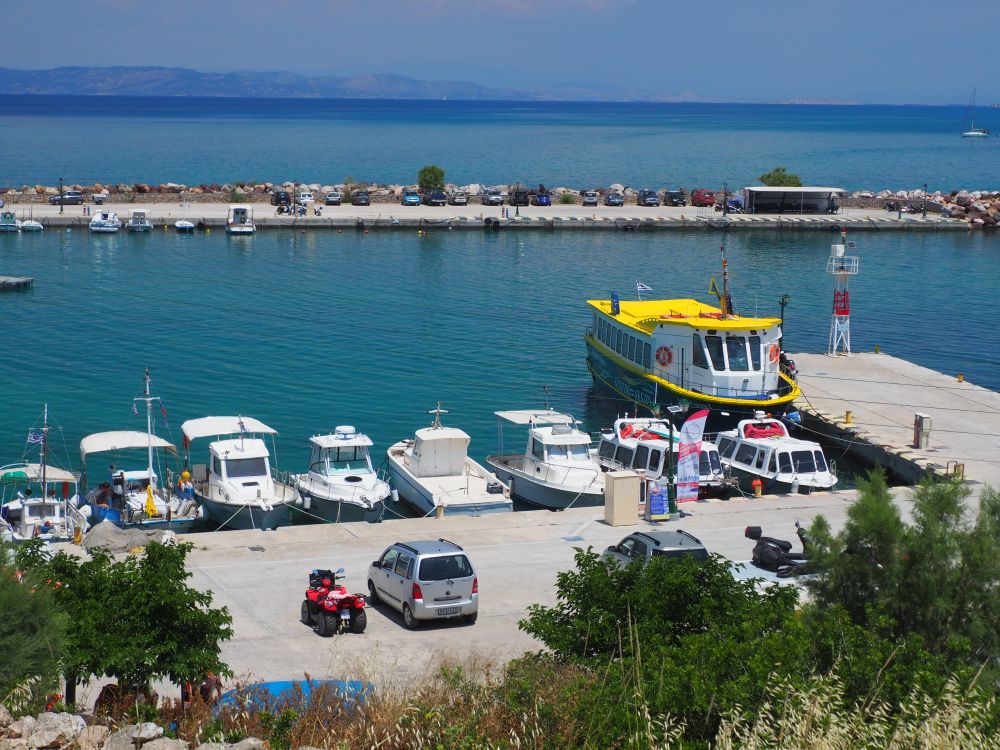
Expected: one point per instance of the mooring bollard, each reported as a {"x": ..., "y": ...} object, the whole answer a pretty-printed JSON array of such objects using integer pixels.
[
  {"x": 758, "y": 487},
  {"x": 848, "y": 417},
  {"x": 439, "y": 511},
  {"x": 877, "y": 348},
  {"x": 961, "y": 377}
]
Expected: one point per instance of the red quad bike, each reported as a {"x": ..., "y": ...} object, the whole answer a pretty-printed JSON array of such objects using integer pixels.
[{"x": 328, "y": 608}]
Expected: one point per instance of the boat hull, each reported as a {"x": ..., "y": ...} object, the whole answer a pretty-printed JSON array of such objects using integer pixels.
[
  {"x": 242, "y": 516},
  {"x": 334, "y": 510},
  {"x": 99, "y": 229},
  {"x": 545, "y": 496},
  {"x": 99, "y": 513},
  {"x": 773, "y": 485},
  {"x": 422, "y": 500},
  {"x": 240, "y": 231}
]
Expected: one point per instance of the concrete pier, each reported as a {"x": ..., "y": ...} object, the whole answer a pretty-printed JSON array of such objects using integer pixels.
[{"x": 883, "y": 394}]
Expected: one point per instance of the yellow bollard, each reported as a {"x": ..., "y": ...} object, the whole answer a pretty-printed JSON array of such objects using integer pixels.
[
  {"x": 439, "y": 511},
  {"x": 758, "y": 487},
  {"x": 77, "y": 535},
  {"x": 877, "y": 348},
  {"x": 848, "y": 417},
  {"x": 961, "y": 377}
]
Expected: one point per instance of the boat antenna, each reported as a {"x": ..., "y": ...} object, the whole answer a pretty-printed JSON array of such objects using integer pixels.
[
  {"x": 148, "y": 400},
  {"x": 437, "y": 415},
  {"x": 724, "y": 302},
  {"x": 546, "y": 389}
]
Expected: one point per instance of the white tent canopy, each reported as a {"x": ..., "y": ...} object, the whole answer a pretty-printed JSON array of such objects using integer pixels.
[
  {"x": 218, "y": 426},
  {"x": 101, "y": 442},
  {"x": 536, "y": 417}
]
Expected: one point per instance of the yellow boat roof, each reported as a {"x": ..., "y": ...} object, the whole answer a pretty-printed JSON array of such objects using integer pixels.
[{"x": 646, "y": 314}]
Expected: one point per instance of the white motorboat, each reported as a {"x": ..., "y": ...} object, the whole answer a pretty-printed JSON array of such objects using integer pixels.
[
  {"x": 240, "y": 221},
  {"x": 434, "y": 473},
  {"x": 30, "y": 225},
  {"x": 341, "y": 484},
  {"x": 183, "y": 226},
  {"x": 236, "y": 488},
  {"x": 105, "y": 221},
  {"x": 557, "y": 468},
  {"x": 761, "y": 448},
  {"x": 139, "y": 221},
  {"x": 641, "y": 444},
  {"x": 9, "y": 222},
  {"x": 136, "y": 498}
]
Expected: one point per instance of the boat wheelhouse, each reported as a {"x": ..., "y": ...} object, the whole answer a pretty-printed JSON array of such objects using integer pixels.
[
  {"x": 657, "y": 353},
  {"x": 9, "y": 222},
  {"x": 341, "y": 484},
  {"x": 139, "y": 221},
  {"x": 761, "y": 448},
  {"x": 106, "y": 222},
  {"x": 240, "y": 221},
  {"x": 557, "y": 468},
  {"x": 34, "y": 503},
  {"x": 641, "y": 444}
]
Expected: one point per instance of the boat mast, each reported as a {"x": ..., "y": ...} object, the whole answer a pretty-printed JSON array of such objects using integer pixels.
[
  {"x": 725, "y": 283},
  {"x": 45, "y": 441},
  {"x": 148, "y": 399}
]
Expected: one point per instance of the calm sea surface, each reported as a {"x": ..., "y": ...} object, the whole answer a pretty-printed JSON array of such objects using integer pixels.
[
  {"x": 310, "y": 330},
  {"x": 140, "y": 139}
]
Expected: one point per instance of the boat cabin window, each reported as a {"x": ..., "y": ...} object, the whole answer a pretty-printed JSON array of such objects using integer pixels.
[
  {"x": 623, "y": 455},
  {"x": 771, "y": 465},
  {"x": 736, "y": 348},
  {"x": 755, "y": 352},
  {"x": 564, "y": 452},
  {"x": 714, "y": 346},
  {"x": 655, "y": 457},
  {"x": 784, "y": 462},
  {"x": 237, "y": 468},
  {"x": 217, "y": 466},
  {"x": 708, "y": 463},
  {"x": 353, "y": 460},
  {"x": 631, "y": 348},
  {"x": 726, "y": 446},
  {"x": 641, "y": 457},
  {"x": 803, "y": 461},
  {"x": 820, "y": 461},
  {"x": 698, "y": 358},
  {"x": 537, "y": 449},
  {"x": 745, "y": 455},
  {"x": 607, "y": 449},
  {"x": 647, "y": 356},
  {"x": 761, "y": 455}
]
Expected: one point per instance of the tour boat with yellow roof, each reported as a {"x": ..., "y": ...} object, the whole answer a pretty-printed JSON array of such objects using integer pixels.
[{"x": 659, "y": 353}]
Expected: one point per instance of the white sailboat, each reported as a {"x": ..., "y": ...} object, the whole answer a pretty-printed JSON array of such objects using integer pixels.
[{"x": 973, "y": 131}]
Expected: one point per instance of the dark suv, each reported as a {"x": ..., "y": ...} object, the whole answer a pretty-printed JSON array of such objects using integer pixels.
[
  {"x": 519, "y": 198},
  {"x": 68, "y": 198},
  {"x": 435, "y": 198},
  {"x": 647, "y": 198},
  {"x": 674, "y": 198},
  {"x": 643, "y": 545},
  {"x": 360, "y": 198},
  {"x": 280, "y": 198}
]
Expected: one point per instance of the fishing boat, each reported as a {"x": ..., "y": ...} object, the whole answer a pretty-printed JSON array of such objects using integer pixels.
[
  {"x": 240, "y": 221},
  {"x": 657, "y": 353},
  {"x": 972, "y": 131},
  {"x": 29, "y": 224},
  {"x": 433, "y": 473},
  {"x": 557, "y": 468},
  {"x": 641, "y": 445},
  {"x": 237, "y": 488},
  {"x": 139, "y": 221},
  {"x": 106, "y": 222},
  {"x": 183, "y": 226},
  {"x": 341, "y": 484},
  {"x": 136, "y": 497},
  {"x": 35, "y": 495},
  {"x": 761, "y": 449},
  {"x": 9, "y": 222}
]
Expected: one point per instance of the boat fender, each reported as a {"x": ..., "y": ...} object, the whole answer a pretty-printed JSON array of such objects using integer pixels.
[
  {"x": 307, "y": 501},
  {"x": 394, "y": 495}
]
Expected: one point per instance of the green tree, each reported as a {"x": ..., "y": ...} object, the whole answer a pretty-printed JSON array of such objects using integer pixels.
[
  {"x": 431, "y": 177},
  {"x": 778, "y": 177}
]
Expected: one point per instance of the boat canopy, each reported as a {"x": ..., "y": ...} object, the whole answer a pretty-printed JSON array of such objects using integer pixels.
[
  {"x": 209, "y": 426},
  {"x": 33, "y": 473},
  {"x": 535, "y": 417},
  {"x": 646, "y": 315},
  {"x": 101, "y": 442}
]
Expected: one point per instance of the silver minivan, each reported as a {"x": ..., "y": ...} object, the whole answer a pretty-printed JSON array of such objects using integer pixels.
[{"x": 425, "y": 580}]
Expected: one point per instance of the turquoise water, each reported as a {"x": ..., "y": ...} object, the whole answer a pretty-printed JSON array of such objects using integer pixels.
[
  {"x": 309, "y": 330},
  {"x": 115, "y": 139}
]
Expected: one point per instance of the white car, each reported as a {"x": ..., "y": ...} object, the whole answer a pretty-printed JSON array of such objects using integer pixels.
[
  {"x": 333, "y": 198},
  {"x": 304, "y": 197},
  {"x": 458, "y": 198},
  {"x": 589, "y": 197}
]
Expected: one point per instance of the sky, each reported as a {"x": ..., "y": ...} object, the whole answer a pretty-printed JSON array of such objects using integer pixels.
[{"x": 871, "y": 51}]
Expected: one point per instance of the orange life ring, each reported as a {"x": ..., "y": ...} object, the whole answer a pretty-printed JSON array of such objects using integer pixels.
[
  {"x": 664, "y": 356},
  {"x": 775, "y": 353}
]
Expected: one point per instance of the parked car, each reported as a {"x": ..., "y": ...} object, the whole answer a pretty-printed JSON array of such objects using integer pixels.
[
  {"x": 541, "y": 199},
  {"x": 304, "y": 196},
  {"x": 410, "y": 198},
  {"x": 589, "y": 197},
  {"x": 425, "y": 580},
  {"x": 458, "y": 198},
  {"x": 492, "y": 197},
  {"x": 435, "y": 198},
  {"x": 643, "y": 545},
  {"x": 702, "y": 197},
  {"x": 614, "y": 199},
  {"x": 647, "y": 198},
  {"x": 280, "y": 198},
  {"x": 519, "y": 198},
  {"x": 333, "y": 198},
  {"x": 674, "y": 198},
  {"x": 68, "y": 198},
  {"x": 361, "y": 198}
]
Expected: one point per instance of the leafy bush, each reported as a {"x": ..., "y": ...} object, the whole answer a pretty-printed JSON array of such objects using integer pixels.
[
  {"x": 778, "y": 177},
  {"x": 431, "y": 177},
  {"x": 567, "y": 199}
]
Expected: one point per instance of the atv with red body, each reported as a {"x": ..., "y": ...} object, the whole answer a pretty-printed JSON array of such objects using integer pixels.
[{"x": 328, "y": 608}]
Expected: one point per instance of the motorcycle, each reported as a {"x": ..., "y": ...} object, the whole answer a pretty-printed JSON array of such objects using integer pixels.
[
  {"x": 328, "y": 608},
  {"x": 776, "y": 556}
]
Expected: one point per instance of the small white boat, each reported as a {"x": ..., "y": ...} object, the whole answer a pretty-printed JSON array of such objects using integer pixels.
[
  {"x": 341, "y": 484},
  {"x": 761, "y": 448},
  {"x": 139, "y": 221},
  {"x": 30, "y": 225},
  {"x": 557, "y": 468},
  {"x": 183, "y": 226},
  {"x": 240, "y": 220},
  {"x": 105, "y": 221},
  {"x": 9, "y": 222},
  {"x": 973, "y": 131},
  {"x": 433, "y": 471}
]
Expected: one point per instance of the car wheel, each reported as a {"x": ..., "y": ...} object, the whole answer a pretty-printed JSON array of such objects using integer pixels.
[
  {"x": 373, "y": 593},
  {"x": 411, "y": 622},
  {"x": 304, "y": 615},
  {"x": 79, "y": 203},
  {"x": 471, "y": 619},
  {"x": 359, "y": 620}
]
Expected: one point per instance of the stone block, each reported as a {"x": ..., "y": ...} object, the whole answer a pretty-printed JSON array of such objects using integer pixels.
[{"x": 92, "y": 738}]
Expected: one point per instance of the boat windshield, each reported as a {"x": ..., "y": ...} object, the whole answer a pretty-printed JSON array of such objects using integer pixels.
[
  {"x": 736, "y": 348},
  {"x": 352, "y": 460},
  {"x": 237, "y": 468},
  {"x": 804, "y": 461},
  {"x": 565, "y": 452},
  {"x": 820, "y": 461}
]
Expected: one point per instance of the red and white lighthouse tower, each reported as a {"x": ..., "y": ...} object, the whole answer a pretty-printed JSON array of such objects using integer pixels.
[{"x": 841, "y": 267}]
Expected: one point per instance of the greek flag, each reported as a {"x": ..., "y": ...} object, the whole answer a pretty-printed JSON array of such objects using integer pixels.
[
  {"x": 243, "y": 427},
  {"x": 135, "y": 409},
  {"x": 36, "y": 437},
  {"x": 640, "y": 288}
]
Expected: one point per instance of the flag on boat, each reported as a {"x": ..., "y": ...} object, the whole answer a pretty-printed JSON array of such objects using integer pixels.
[
  {"x": 689, "y": 456},
  {"x": 640, "y": 288},
  {"x": 163, "y": 411},
  {"x": 713, "y": 288},
  {"x": 35, "y": 437},
  {"x": 243, "y": 427},
  {"x": 135, "y": 409}
]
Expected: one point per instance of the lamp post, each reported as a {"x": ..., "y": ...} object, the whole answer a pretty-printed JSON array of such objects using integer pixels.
[
  {"x": 783, "y": 303},
  {"x": 924, "y": 205},
  {"x": 725, "y": 198},
  {"x": 60, "y": 195}
]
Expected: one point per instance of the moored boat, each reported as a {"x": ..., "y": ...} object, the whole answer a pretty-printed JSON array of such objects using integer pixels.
[
  {"x": 240, "y": 221},
  {"x": 9, "y": 222},
  {"x": 183, "y": 226},
  {"x": 106, "y": 222},
  {"x": 139, "y": 221}
]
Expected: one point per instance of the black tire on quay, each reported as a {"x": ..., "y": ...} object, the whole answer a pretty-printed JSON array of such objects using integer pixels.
[{"x": 359, "y": 621}]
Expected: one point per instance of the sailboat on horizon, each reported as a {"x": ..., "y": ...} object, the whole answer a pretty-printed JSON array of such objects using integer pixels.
[{"x": 973, "y": 131}]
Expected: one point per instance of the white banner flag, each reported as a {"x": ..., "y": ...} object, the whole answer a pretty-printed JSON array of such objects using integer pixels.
[{"x": 689, "y": 456}]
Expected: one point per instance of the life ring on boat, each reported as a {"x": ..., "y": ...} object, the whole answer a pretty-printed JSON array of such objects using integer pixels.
[
  {"x": 664, "y": 356},
  {"x": 774, "y": 353}
]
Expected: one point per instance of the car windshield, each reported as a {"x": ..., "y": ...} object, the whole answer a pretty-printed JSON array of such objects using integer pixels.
[{"x": 444, "y": 568}]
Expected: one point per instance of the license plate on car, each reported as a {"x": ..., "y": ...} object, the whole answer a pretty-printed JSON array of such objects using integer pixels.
[
  {"x": 345, "y": 615},
  {"x": 445, "y": 611}
]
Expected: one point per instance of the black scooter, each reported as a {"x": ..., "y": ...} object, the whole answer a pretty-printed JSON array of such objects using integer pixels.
[{"x": 776, "y": 556}]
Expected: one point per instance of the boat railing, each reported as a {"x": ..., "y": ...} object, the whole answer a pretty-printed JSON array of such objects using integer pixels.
[{"x": 572, "y": 471}]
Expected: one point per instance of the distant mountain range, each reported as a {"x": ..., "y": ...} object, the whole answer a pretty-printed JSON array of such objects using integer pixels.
[{"x": 160, "y": 81}]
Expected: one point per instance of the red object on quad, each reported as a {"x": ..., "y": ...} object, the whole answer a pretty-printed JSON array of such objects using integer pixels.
[{"x": 328, "y": 608}]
